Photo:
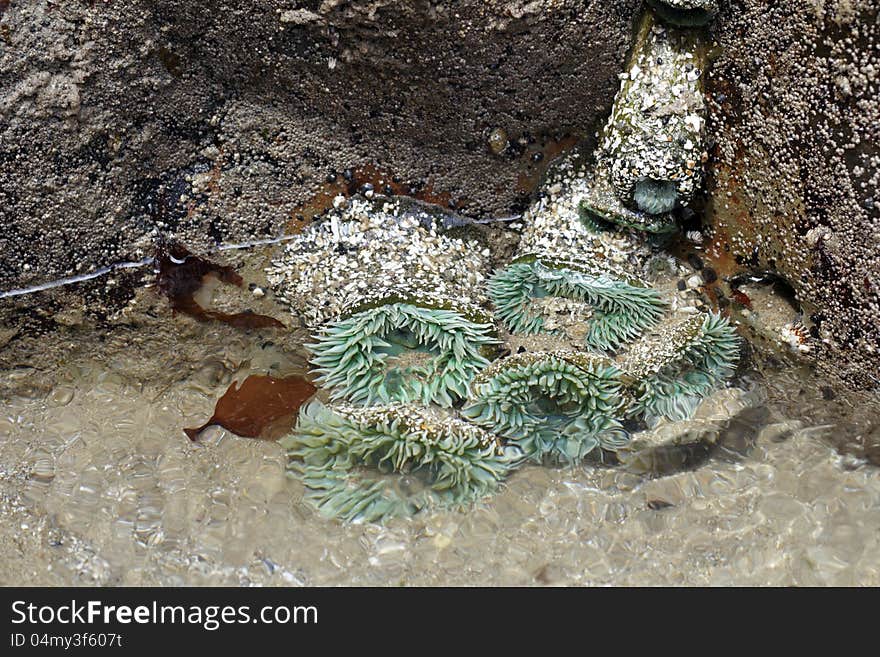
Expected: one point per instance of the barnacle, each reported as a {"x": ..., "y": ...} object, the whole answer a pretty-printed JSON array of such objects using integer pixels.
[
  {"x": 620, "y": 309},
  {"x": 602, "y": 204},
  {"x": 654, "y": 141},
  {"x": 674, "y": 369},
  {"x": 401, "y": 352},
  {"x": 372, "y": 463},
  {"x": 686, "y": 13},
  {"x": 393, "y": 299},
  {"x": 796, "y": 336},
  {"x": 591, "y": 267},
  {"x": 560, "y": 406}
]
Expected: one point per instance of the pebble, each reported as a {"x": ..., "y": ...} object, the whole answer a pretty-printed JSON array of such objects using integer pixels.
[{"x": 497, "y": 141}]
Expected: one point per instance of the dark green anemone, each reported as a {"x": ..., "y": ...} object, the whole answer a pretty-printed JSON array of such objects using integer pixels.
[
  {"x": 675, "y": 370},
  {"x": 621, "y": 309},
  {"x": 602, "y": 204},
  {"x": 691, "y": 13},
  {"x": 655, "y": 196},
  {"x": 367, "y": 464},
  {"x": 400, "y": 352},
  {"x": 556, "y": 406}
]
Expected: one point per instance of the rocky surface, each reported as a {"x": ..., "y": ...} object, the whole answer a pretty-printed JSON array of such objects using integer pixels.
[
  {"x": 123, "y": 125},
  {"x": 795, "y": 112}
]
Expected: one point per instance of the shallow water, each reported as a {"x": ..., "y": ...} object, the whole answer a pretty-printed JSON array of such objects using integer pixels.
[{"x": 100, "y": 485}]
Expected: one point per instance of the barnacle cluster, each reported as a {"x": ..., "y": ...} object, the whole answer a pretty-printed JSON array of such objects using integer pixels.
[
  {"x": 395, "y": 302},
  {"x": 403, "y": 316},
  {"x": 368, "y": 463},
  {"x": 653, "y": 144}
]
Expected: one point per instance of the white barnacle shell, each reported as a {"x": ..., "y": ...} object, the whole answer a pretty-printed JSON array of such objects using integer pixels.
[{"x": 693, "y": 122}]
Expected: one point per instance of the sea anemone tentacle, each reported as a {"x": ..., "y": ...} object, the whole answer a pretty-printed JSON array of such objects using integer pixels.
[
  {"x": 621, "y": 309},
  {"x": 401, "y": 352},
  {"x": 368, "y": 464},
  {"x": 558, "y": 406},
  {"x": 573, "y": 276},
  {"x": 676, "y": 368}
]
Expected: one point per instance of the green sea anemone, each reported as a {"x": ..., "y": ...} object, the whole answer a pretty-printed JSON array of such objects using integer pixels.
[
  {"x": 572, "y": 276},
  {"x": 615, "y": 309},
  {"x": 367, "y": 464},
  {"x": 393, "y": 298},
  {"x": 400, "y": 352},
  {"x": 674, "y": 369},
  {"x": 559, "y": 406}
]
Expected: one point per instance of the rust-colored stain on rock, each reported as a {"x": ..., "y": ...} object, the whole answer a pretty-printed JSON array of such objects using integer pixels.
[
  {"x": 180, "y": 276},
  {"x": 541, "y": 155},
  {"x": 262, "y": 407},
  {"x": 359, "y": 180}
]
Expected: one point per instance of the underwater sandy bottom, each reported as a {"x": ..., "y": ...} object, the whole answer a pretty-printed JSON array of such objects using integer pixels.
[{"x": 99, "y": 485}]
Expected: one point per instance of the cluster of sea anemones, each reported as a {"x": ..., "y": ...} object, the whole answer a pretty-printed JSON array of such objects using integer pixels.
[
  {"x": 421, "y": 416},
  {"x": 402, "y": 307}
]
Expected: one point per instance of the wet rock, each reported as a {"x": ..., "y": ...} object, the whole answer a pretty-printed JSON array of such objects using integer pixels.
[
  {"x": 236, "y": 116},
  {"x": 794, "y": 110}
]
